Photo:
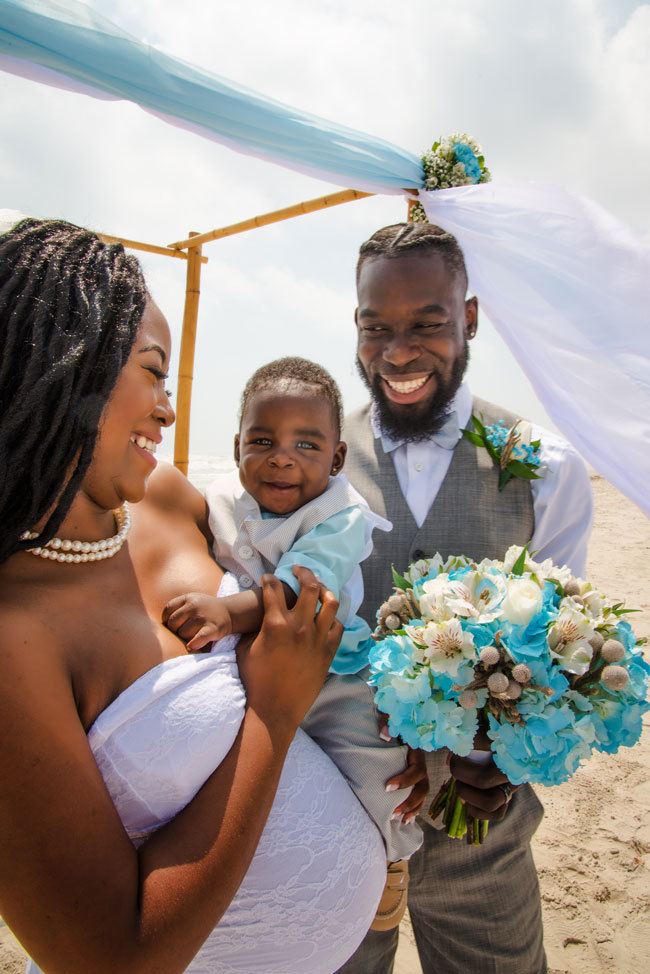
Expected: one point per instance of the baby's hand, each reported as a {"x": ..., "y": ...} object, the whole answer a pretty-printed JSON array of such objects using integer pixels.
[{"x": 198, "y": 619}]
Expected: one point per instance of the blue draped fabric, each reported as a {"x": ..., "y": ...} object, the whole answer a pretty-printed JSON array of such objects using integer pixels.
[{"x": 68, "y": 37}]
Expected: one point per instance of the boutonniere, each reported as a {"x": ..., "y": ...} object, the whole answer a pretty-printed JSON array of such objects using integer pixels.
[{"x": 511, "y": 449}]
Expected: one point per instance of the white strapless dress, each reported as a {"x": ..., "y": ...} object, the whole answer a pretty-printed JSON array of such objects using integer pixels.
[{"x": 313, "y": 886}]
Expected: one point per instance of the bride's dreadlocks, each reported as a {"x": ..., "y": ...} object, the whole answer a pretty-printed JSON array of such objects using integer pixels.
[{"x": 70, "y": 307}]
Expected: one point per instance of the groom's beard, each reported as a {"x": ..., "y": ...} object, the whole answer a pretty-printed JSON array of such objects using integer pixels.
[{"x": 415, "y": 422}]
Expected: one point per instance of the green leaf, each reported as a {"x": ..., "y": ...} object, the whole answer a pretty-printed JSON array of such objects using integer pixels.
[
  {"x": 518, "y": 567},
  {"x": 481, "y": 161},
  {"x": 504, "y": 477},
  {"x": 519, "y": 469},
  {"x": 535, "y": 444},
  {"x": 473, "y": 437},
  {"x": 399, "y": 581},
  {"x": 494, "y": 453},
  {"x": 478, "y": 425}
]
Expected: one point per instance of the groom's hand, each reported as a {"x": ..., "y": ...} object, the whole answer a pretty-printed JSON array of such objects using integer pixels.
[{"x": 484, "y": 789}]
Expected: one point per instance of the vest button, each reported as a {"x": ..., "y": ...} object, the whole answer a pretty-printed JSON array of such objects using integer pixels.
[
  {"x": 245, "y": 581},
  {"x": 246, "y": 552},
  {"x": 417, "y": 554}
]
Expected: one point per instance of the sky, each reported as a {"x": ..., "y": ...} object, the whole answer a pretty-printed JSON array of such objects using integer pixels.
[{"x": 557, "y": 92}]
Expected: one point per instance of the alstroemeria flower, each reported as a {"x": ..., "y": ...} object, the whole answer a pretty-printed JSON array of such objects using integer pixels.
[
  {"x": 423, "y": 567},
  {"x": 432, "y": 598},
  {"x": 476, "y": 596},
  {"x": 446, "y": 645},
  {"x": 540, "y": 570},
  {"x": 569, "y": 638},
  {"x": 595, "y": 604}
]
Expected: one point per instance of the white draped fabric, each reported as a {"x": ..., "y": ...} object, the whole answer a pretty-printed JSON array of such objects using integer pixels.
[{"x": 568, "y": 288}]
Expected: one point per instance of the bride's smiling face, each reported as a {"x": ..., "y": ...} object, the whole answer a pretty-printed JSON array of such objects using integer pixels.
[{"x": 130, "y": 428}]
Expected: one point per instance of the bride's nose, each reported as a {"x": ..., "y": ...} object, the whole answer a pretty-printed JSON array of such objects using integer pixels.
[{"x": 164, "y": 411}]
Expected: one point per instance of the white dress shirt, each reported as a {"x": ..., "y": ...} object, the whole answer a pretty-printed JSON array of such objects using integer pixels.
[{"x": 562, "y": 499}]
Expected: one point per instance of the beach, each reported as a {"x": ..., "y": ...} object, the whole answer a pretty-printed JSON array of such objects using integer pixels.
[{"x": 593, "y": 848}]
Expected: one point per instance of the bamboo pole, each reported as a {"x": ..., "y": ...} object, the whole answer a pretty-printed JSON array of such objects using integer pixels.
[
  {"x": 299, "y": 209},
  {"x": 411, "y": 206},
  {"x": 150, "y": 248},
  {"x": 186, "y": 362}
]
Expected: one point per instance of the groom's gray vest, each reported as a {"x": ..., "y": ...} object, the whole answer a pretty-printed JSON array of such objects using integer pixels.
[{"x": 469, "y": 516}]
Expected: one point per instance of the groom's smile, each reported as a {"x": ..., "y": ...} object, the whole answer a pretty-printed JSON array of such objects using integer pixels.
[{"x": 408, "y": 388}]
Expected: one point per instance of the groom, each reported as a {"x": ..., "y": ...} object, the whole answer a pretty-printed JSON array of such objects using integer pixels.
[{"x": 475, "y": 910}]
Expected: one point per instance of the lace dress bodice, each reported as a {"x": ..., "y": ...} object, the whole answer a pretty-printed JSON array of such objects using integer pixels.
[{"x": 312, "y": 888}]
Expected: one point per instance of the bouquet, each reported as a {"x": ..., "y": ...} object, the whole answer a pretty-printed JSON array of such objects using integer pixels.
[{"x": 539, "y": 660}]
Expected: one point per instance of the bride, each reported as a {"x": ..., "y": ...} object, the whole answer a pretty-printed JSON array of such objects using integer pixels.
[{"x": 157, "y": 812}]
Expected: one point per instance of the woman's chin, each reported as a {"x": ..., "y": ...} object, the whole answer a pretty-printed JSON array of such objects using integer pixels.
[{"x": 134, "y": 491}]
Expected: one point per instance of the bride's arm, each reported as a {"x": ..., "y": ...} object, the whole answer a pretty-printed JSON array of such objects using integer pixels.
[{"x": 72, "y": 887}]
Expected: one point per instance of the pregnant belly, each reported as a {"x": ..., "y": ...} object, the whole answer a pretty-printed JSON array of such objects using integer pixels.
[{"x": 312, "y": 889}]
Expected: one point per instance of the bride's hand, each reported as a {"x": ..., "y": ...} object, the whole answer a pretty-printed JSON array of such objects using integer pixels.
[{"x": 285, "y": 666}]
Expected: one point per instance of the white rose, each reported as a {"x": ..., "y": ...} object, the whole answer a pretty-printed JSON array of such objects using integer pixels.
[
  {"x": 524, "y": 432},
  {"x": 523, "y": 600}
]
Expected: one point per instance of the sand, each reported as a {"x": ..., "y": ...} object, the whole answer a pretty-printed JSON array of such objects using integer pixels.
[{"x": 593, "y": 847}]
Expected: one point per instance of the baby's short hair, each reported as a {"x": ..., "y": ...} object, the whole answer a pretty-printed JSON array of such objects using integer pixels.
[{"x": 284, "y": 374}]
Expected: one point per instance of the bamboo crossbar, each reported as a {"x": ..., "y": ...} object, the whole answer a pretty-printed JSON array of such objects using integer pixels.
[
  {"x": 150, "y": 248},
  {"x": 299, "y": 209}
]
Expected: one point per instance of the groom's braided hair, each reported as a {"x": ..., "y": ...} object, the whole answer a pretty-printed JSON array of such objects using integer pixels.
[
  {"x": 407, "y": 239},
  {"x": 285, "y": 374},
  {"x": 70, "y": 307}
]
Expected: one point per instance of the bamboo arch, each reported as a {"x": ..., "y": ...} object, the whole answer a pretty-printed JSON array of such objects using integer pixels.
[{"x": 191, "y": 250}]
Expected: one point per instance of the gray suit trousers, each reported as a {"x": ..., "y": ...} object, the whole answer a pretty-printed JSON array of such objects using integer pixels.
[{"x": 474, "y": 909}]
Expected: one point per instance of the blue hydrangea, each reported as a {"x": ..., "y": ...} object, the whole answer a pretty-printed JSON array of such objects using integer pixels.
[
  {"x": 391, "y": 655},
  {"x": 465, "y": 155},
  {"x": 524, "y": 642},
  {"x": 546, "y": 750},
  {"x": 617, "y": 721}
]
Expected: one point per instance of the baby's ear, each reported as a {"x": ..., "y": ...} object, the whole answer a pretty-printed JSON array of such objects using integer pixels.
[
  {"x": 339, "y": 458},
  {"x": 236, "y": 451}
]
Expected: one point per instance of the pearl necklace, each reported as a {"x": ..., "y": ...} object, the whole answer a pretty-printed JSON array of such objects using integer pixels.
[{"x": 59, "y": 549}]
